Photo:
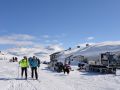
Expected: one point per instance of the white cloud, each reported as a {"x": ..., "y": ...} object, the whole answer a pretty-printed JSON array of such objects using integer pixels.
[
  {"x": 40, "y": 51},
  {"x": 60, "y": 44},
  {"x": 17, "y": 39},
  {"x": 22, "y": 37},
  {"x": 54, "y": 47},
  {"x": 55, "y": 41},
  {"x": 51, "y": 41},
  {"x": 60, "y": 35},
  {"x": 22, "y": 40},
  {"x": 46, "y": 36},
  {"x": 47, "y": 41},
  {"x": 90, "y": 38}
]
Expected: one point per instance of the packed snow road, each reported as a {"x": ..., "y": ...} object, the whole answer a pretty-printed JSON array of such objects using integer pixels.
[{"x": 48, "y": 80}]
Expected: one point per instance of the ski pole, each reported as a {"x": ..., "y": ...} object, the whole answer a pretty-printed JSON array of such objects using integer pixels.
[
  {"x": 38, "y": 71},
  {"x": 18, "y": 71}
]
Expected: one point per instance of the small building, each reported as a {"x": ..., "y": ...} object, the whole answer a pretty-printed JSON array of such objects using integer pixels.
[
  {"x": 77, "y": 59},
  {"x": 53, "y": 57},
  {"x": 68, "y": 59},
  {"x": 53, "y": 60}
]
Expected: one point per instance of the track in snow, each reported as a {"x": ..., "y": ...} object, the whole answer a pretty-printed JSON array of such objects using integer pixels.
[{"x": 55, "y": 81}]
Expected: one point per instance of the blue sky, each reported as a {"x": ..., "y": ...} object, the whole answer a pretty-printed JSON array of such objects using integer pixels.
[{"x": 63, "y": 22}]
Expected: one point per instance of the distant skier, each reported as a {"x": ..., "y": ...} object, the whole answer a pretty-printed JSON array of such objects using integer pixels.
[
  {"x": 24, "y": 65},
  {"x": 16, "y": 59},
  {"x": 34, "y": 63}
]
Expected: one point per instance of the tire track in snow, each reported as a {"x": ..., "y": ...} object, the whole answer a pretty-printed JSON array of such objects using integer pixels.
[
  {"x": 35, "y": 88},
  {"x": 51, "y": 82},
  {"x": 21, "y": 85}
]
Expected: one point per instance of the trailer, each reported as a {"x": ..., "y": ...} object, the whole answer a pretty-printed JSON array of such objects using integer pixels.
[{"x": 108, "y": 63}]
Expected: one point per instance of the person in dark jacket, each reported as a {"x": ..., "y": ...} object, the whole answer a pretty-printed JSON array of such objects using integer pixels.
[
  {"x": 34, "y": 64},
  {"x": 66, "y": 68}
]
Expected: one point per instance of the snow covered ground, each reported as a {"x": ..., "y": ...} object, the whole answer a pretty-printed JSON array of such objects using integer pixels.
[{"x": 48, "y": 80}]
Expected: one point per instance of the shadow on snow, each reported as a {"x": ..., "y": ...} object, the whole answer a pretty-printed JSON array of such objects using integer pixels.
[{"x": 6, "y": 79}]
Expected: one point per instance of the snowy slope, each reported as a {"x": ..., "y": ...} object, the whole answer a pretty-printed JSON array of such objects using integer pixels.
[
  {"x": 39, "y": 51},
  {"x": 93, "y": 51},
  {"x": 43, "y": 52},
  {"x": 5, "y": 56},
  {"x": 10, "y": 80},
  {"x": 98, "y": 48}
]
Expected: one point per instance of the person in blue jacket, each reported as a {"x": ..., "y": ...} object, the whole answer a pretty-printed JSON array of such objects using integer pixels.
[{"x": 34, "y": 64}]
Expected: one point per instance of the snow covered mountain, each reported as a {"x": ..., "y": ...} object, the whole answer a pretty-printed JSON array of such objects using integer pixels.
[
  {"x": 98, "y": 48},
  {"x": 44, "y": 52},
  {"x": 92, "y": 51},
  {"x": 39, "y": 51}
]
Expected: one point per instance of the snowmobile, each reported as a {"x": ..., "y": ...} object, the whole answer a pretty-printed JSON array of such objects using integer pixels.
[{"x": 58, "y": 67}]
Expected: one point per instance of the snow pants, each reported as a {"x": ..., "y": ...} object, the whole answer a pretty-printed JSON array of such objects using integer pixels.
[
  {"x": 34, "y": 71},
  {"x": 66, "y": 70},
  {"x": 24, "y": 70}
]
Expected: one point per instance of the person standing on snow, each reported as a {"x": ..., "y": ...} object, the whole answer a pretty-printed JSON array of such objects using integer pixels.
[
  {"x": 24, "y": 65},
  {"x": 34, "y": 63},
  {"x": 66, "y": 67}
]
